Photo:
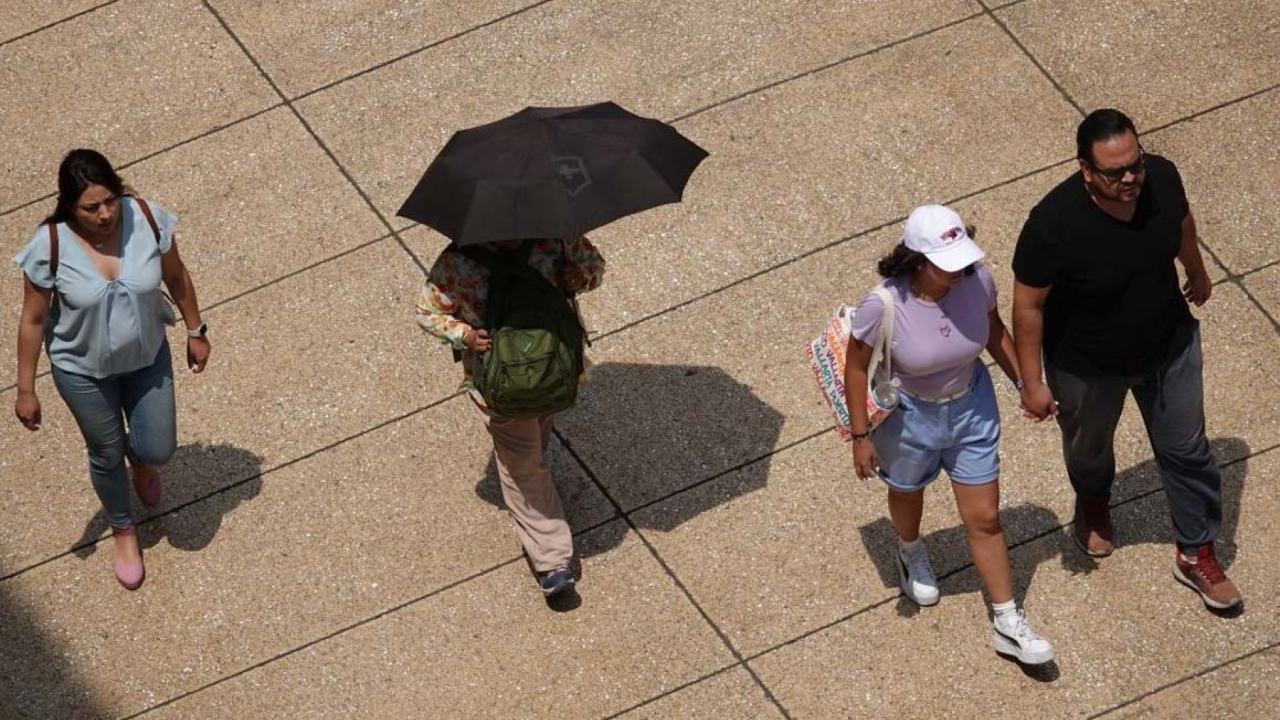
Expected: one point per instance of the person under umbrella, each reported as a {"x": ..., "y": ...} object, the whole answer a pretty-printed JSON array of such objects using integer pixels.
[
  {"x": 453, "y": 306},
  {"x": 516, "y": 197}
]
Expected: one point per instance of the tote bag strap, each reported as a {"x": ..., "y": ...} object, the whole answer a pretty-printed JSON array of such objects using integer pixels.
[{"x": 884, "y": 340}]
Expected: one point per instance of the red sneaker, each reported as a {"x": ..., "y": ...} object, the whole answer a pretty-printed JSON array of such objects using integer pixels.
[{"x": 1207, "y": 578}]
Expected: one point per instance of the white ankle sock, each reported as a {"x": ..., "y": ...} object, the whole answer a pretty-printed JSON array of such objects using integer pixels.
[
  {"x": 903, "y": 544},
  {"x": 1005, "y": 610}
]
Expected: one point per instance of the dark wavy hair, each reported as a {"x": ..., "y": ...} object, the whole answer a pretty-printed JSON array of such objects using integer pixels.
[
  {"x": 1100, "y": 126},
  {"x": 80, "y": 169},
  {"x": 902, "y": 260}
]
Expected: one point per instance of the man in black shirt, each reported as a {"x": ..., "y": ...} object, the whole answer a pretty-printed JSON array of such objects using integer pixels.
[{"x": 1097, "y": 301}]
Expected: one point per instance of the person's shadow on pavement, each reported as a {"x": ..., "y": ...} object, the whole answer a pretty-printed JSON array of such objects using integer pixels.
[
  {"x": 202, "y": 483},
  {"x": 1140, "y": 509},
  {"x": 1140, "y": 515},
  {"x": 649, "y": 432}
]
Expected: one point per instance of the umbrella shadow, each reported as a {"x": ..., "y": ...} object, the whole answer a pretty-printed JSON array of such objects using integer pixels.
[
  {"x": 202, "y": 483},
  {"x": 647, "y": 434},
  {"x": 1142, "y": 517}
]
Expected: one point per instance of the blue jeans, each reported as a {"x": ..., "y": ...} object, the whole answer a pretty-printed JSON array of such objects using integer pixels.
[{"x": 129, "y": 414}]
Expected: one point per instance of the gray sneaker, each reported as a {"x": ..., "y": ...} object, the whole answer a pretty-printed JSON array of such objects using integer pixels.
[
  {"x": 915, "y": 574},
  {"x": 1016, "y": 639}
]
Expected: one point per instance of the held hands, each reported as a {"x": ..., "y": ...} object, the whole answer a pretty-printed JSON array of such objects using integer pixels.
[
  {"x": 476, "y": 340},
  {"x": 1197, "y": 288},
  {"x": 865, "y": 462},
  {"x": 27, "y": 408},
  {"x": 1037, "y": 402}
]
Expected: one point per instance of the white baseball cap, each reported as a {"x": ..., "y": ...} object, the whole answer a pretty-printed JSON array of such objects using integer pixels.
[{"x": 939, "y": 233}]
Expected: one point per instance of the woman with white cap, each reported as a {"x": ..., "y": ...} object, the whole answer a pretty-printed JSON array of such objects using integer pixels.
[{"x": 945, "y": 314}]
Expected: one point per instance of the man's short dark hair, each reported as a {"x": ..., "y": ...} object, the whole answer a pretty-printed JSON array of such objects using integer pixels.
[{"x": 1098, "y": 126}]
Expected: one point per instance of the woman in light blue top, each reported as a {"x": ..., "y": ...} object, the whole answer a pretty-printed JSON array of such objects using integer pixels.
[{"x": 92, "y": 275}]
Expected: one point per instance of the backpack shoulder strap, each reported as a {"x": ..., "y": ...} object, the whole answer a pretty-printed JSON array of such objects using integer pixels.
[
  {"x": 481, "y": 256},
  {"x": 151, "y": 219},
  {"x": 53, "y": 248}
]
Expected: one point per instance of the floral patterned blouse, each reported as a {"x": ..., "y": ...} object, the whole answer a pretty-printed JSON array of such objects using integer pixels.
[{"x": 453, "y": 299}]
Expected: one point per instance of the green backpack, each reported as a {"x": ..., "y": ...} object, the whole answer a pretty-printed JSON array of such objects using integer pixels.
[{"x": 535, "y": 359}]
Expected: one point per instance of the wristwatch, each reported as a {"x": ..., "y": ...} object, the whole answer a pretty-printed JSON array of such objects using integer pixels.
[{"x": 199, "y": 332}]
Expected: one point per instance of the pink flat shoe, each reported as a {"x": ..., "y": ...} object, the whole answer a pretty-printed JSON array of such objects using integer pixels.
[
  {"x": 151, "y": 492},
  {"x": 129, "y": 573}
]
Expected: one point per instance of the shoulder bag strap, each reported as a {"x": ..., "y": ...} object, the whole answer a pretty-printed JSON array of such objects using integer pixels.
[
  {"x": 53, "y": 248},
  {"x": 151, "y": 219},
  {"x": 480, "y": 256}
]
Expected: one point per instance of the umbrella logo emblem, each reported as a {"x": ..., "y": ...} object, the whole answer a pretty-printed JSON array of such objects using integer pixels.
[{"x": 573, "y": 173}]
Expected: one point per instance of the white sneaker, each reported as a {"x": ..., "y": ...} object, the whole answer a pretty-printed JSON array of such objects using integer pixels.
[
  {"x": 1016, "y": 638},
  {"x": 915, "y": 574}
]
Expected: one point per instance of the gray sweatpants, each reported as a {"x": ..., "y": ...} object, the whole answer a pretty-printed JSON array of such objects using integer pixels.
[{"x": 1171, "y": 398}]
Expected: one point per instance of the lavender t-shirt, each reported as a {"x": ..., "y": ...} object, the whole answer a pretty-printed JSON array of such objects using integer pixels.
[{"x": 934, "y": 344}]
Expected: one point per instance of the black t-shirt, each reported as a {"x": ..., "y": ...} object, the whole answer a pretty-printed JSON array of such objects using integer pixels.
[{"x": 1114, "y": 302}]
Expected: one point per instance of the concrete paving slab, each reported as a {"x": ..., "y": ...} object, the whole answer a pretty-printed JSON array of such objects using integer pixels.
[
  {"x": 780, "y": 182},
  {"x": 1230, "y": 162},
  {"x": 174, "y": 73},
  {"x": 25, "y": 16},
  {"x": 1157, "y": 61},
  {"x": 485, "y": 650},
  {"x": 1244, "y": 688},
  {"x": 730, "y": 695},
  {"x": 267, "y": 202},
  {"x": 769, "y": 562},
  {"x": 832, "y": 153},
  {"x": 661, "y": 60},
  {"x": 279, "y": 561},
  {"x": 16, "y": 229},
  {"x": 1264, "y": 286},
  {"x": 1147, "y": 630},
  {"x": 425, "y": 243},
  {"x": 284, "y": 381},
  {"x": 304, "y": 47},
  {"x": 1238, "y": 340}
]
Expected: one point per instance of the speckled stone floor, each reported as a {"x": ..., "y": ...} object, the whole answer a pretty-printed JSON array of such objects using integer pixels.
[{"x": 332, "y": 543}]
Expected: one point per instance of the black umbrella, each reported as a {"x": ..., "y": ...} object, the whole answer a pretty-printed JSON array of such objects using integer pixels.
[{"x": 551, "y": 173}]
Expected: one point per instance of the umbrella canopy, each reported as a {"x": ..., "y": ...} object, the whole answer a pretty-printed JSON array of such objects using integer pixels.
[{"x": 551, "y": 173}]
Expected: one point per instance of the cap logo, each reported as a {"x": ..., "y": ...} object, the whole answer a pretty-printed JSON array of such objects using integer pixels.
[{"x": 950, "y": 236}]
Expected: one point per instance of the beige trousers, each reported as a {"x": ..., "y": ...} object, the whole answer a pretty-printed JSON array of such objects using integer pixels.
[{"x": 519, "y": 446}]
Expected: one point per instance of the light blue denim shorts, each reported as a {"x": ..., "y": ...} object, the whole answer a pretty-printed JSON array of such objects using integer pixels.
[{"x": 962, "y": 436}]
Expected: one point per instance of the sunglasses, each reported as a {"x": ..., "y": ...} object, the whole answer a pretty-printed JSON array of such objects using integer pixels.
[{"x": 1115, "y": 175}]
